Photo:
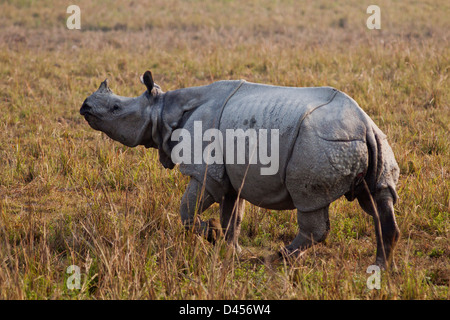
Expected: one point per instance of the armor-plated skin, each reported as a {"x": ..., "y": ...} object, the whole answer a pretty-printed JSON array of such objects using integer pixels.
[{"x": 327, "y": 147}]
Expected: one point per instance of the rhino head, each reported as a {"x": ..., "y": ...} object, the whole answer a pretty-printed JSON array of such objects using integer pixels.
[{"x": 123, "y": 119}]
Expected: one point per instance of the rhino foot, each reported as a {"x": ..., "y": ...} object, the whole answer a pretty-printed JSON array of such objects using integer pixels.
[{"x": 213, "y": 230}]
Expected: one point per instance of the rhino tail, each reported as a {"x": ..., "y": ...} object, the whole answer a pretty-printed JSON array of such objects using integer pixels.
[
  {"x": 378, "y": 175},
  {"x": 374, "y": 168}
]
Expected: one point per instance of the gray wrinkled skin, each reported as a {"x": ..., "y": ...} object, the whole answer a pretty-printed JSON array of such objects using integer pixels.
[{"x": 328, "y": 147}]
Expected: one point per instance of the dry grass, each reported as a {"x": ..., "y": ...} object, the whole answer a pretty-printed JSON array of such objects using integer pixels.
[{"x": 69, "y": 195}]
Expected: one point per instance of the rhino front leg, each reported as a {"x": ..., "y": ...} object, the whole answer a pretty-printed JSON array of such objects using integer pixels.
[
  {"x": 231, "y": 213},
  {"x": 196, "y": 200},
  {"x": 381, "y": 208},
  {"x": 313, "y": 228}
]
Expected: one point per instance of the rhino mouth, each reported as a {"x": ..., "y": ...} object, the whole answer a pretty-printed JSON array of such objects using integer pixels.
[
  {"x": 89, "y": 117},
  {"x": 86, "y": 111}
]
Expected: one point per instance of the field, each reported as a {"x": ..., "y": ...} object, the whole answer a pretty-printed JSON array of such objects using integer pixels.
[{"x": 71, "y": 196}]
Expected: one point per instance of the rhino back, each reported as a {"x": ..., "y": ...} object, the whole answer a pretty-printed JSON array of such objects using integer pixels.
[{"x": 267, "y": 107}]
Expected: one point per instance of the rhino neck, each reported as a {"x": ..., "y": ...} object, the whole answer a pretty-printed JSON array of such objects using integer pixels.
[
  {"x": 174, "y": 107},
  {"x": 179, "y": 105},
  {"x": 154, "y": 131},
  {"x": 151, "y": 134}
]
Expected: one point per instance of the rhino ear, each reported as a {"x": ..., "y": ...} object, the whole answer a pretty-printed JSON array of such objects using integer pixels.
[
  {"x": 104, "y": 87},
  {"x": 147, "y": 79}
]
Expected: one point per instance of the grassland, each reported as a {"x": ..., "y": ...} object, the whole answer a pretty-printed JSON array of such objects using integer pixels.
[{"x": 71, "y": 196}]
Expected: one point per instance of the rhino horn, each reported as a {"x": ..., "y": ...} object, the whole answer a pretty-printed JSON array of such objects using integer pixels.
[{"x": 104, "y": 87}]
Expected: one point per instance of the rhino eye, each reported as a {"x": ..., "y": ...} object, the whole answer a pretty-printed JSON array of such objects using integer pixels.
[{"x": 115, "y": 108}]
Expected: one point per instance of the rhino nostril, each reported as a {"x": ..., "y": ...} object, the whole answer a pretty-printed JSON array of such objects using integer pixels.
[{"x": 85, "y": 108}]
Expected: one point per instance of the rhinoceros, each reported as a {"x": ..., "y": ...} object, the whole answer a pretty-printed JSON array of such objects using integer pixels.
[{"x": 322, "y": 146}]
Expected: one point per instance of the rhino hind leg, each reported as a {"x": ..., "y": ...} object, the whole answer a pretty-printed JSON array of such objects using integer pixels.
[
  {"x": 231, "y": 214},
  {"x": 381, "y": 207},
  {"x": 195, "y": 200},
  {"x": 313, "y": 228}
]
